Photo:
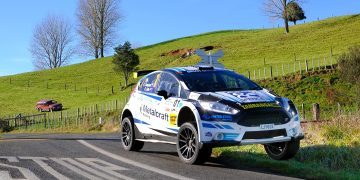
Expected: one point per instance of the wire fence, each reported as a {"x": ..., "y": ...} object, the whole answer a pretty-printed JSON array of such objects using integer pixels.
[
  {"x": 77, "y": 117},
  {"x": 297, "y": 66}
]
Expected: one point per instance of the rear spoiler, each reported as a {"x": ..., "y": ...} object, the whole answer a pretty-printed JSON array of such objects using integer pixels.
[{"x": 142, "y": 73}]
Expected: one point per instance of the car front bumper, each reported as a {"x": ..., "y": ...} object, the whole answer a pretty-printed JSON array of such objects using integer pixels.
[{"x": 230, "y": 133}]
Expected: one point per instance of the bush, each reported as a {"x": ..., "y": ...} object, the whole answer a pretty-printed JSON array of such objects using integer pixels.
[{"x": 349, "y": 66}]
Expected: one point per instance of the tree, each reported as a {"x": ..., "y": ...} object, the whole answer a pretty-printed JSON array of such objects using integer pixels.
[
  {"x": 278, "y": 9},
  {"x": 125, "y": 60},
  {"x": 51, "y": 43},
  {"x": 97, "y": 22},
  {"x": 295, "y": 12}
]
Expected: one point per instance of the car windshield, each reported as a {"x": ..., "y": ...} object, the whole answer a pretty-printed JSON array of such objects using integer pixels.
[{"x": 211, "y": 81}]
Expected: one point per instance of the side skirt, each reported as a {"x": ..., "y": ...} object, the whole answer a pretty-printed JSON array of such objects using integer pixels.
[{"x": 168, "y": 138}]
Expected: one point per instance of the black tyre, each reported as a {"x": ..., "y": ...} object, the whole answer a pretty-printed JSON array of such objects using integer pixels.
[
  {"x": 128, "y": 136},
  {"x": 188, "y": 146},
  {"x": 282, "y": 150}
]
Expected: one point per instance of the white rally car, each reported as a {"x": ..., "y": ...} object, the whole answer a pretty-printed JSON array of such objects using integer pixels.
[{"x": 199, "y": 108}]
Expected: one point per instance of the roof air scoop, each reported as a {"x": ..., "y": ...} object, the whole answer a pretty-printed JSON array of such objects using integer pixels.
[{"x": 209, "y": 59}]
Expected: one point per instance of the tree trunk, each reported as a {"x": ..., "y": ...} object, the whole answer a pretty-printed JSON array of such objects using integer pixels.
[
  {"x": 286, "y": 21},
  {"x": 96, "y": 53}
]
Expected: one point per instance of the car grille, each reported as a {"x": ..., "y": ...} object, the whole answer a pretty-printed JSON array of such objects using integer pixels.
[
  {"x": 256, "y": 117},
  {"x": 264, "y": 134}
]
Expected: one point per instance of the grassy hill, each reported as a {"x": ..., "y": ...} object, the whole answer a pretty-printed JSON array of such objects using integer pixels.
[{"x": 91, "y": 82}]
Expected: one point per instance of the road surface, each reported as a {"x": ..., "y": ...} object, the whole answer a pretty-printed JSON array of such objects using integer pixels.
[{"x": 100, "y": 156}]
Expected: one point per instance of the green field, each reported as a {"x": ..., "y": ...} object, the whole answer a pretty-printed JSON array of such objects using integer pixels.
[{"x": 91, "y": 82}]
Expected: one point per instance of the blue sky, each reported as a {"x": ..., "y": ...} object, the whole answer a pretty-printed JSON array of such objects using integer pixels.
[{"x": 145, "y": 21}]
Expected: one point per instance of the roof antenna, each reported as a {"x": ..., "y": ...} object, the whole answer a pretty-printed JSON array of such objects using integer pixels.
[{"x": 210, "y": 59}]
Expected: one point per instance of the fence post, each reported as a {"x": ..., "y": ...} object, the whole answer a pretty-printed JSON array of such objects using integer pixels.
[
  {"x": 339, "y": 108},
  {"x": 316, "y": 111},
  {"x": 313, "y": 68},
  {"x": 325, "y": 63},
  {"x": 96, "y": 109},
  {"x": 306, "y": 65},
  {"x": 112, "y": 89},
  {"x": 319, "y": 64},
  {"x": 249, "y": 75},
  {"x": 254, "y": 74},
  {"x": 294, "y": 66},
  {"x": 271, "y": 72},
  {"x": 303, "y": 111},
  {"x": 264, "y": 72},
  {"x": 259, "y": 73},
  {"x": 78, "y": 113}
]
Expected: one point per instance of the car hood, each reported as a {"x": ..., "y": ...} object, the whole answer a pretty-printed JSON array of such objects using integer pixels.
[{"x": 242, "y": 97}]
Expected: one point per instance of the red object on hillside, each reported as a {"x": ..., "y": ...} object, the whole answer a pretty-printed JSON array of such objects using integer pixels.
[{"x": 48, "y": 105}]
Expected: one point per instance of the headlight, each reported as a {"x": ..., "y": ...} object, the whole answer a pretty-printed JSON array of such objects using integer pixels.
[
  {"x": 218, "y": 107},
  {"x": 287, "y": 105}
]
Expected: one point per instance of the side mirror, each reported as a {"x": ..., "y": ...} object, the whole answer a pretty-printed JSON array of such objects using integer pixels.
[{"x": 163, "y": 93}]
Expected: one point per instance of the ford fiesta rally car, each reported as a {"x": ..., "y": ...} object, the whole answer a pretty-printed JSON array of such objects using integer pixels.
[{"x": 199, "y": 108}]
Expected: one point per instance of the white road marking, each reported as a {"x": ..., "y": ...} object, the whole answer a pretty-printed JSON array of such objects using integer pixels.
[
  {"x": 4, "y": 175},
  {"x": 73, "y": 168},
  {"x": 46, "y": 167},
  {"x": 134, "y": 163},
  {"x": 10, "y": 158},
  {"x": 108, "y": 168}
]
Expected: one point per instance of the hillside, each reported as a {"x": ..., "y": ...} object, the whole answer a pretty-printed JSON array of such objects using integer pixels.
[{"x": 244, "y": 49}]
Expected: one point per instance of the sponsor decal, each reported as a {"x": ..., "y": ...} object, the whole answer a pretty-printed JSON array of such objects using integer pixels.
[
  {"x": 260, "y": 105},
  {"x": 216, "y": 117},
  {"x": 153, "y": 112},
  {"x": 173, "y": 119},
  {"x": 208, "y": 134}
]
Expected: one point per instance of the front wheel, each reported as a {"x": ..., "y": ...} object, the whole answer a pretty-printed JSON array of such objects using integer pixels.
[
  {"x": 282, "y": 150},
  {"x": 128, "y": 136},
  {"x": 188, "y": 146}
]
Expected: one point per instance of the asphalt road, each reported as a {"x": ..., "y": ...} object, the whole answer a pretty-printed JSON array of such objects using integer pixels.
[{"x": 101, "y": 156}]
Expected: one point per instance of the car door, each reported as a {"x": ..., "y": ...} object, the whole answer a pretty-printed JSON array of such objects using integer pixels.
[
  {"x": 144, "y": 101},
  {"x": 170, "y": 105}
]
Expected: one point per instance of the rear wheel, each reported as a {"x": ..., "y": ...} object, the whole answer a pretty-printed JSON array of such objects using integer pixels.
[
  {"x": 128, "y": 136},
  {"x": 188, "y": 146},
  {"x": 282, "y": 150}
]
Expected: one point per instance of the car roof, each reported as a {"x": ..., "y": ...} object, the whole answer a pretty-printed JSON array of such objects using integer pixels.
[
  {"x": 190, "y": 69},
  {"x": 45, "y": 100}
]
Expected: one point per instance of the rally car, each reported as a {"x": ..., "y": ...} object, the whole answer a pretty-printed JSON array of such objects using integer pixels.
[{"x": 198, "y": 108}]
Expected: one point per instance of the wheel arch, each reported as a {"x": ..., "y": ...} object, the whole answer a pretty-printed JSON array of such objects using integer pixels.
[
  {"x": 126, "y": 113},
  {"x": 189, "y": 114}
]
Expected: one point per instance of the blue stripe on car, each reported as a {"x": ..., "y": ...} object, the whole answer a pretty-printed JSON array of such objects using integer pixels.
[
  {"x": 152, "y": 96},
  {"x": 227, "y": 127},
  {"x": 138, "y": 121},
  {"x": 219, "y": 126},
  {"x": 207, "y": 125}
]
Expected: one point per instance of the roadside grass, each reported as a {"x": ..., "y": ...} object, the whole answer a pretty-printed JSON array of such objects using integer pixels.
[
  {"x": 330, "y": 150},
  {"x": 91, "y": 82}
]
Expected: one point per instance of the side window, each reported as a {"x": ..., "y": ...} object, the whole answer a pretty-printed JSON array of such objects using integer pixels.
[
  {"x": 149, "y": 83},
  {"x": 169, "y": 84}
]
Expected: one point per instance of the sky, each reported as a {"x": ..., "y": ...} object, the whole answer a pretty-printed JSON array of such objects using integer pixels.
[{"x": 145, "y": 22}]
